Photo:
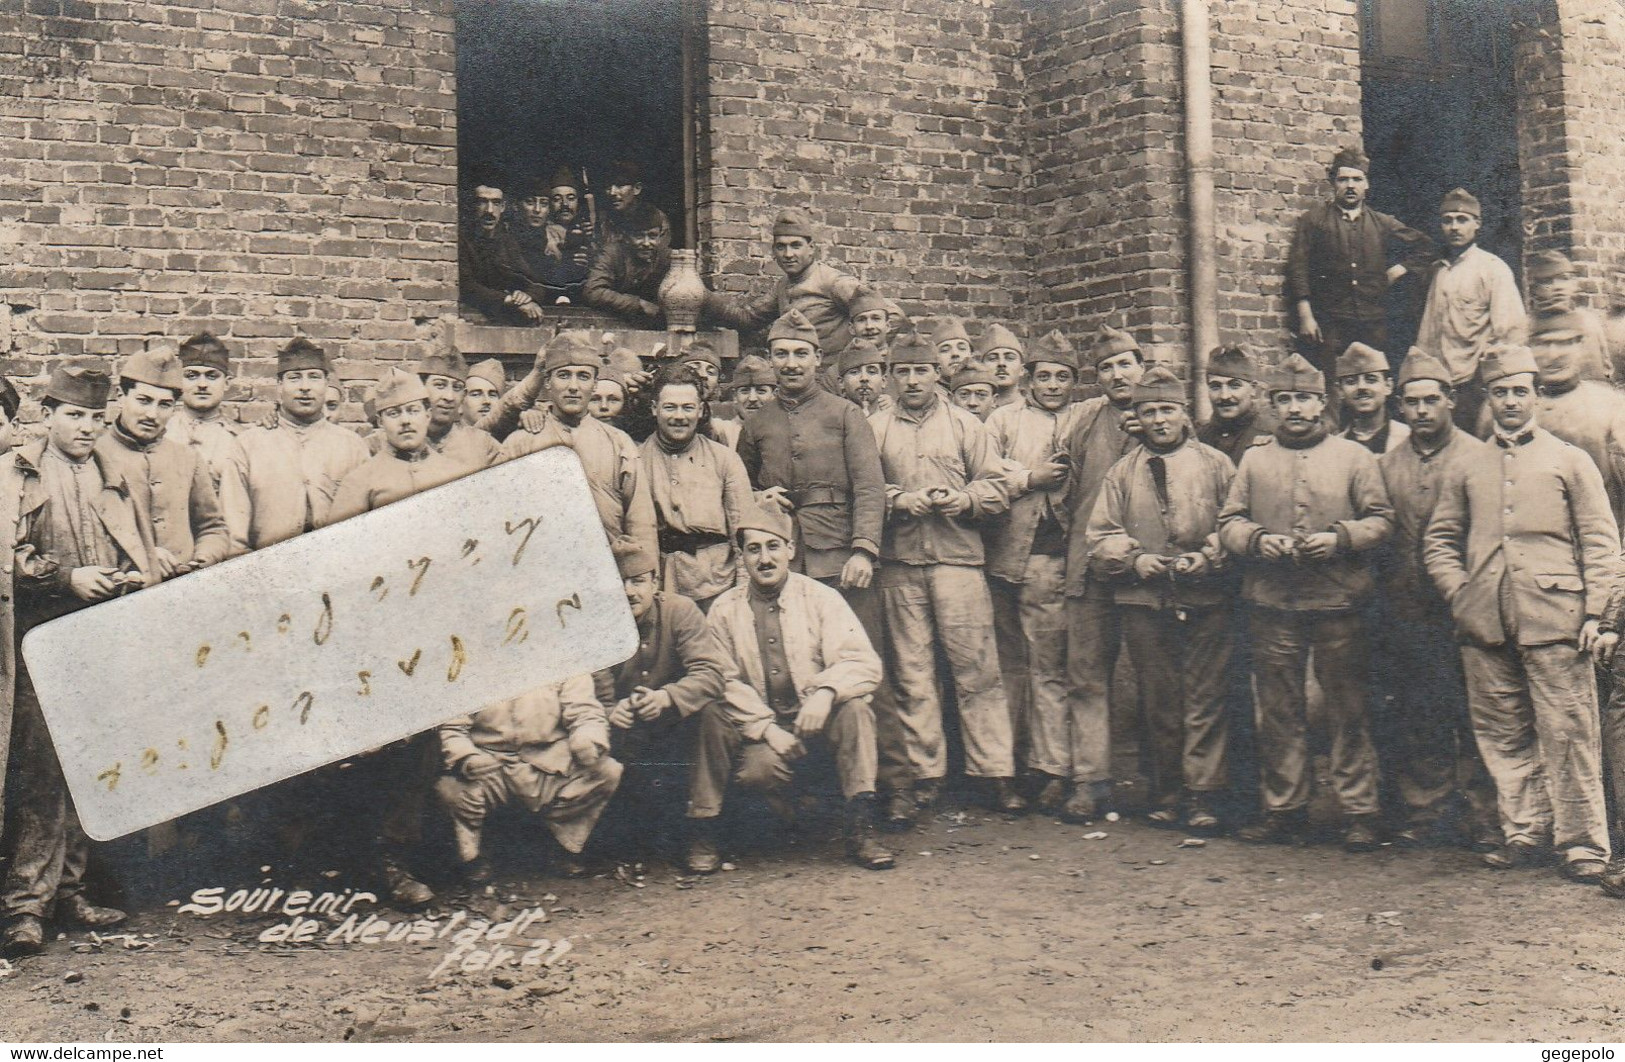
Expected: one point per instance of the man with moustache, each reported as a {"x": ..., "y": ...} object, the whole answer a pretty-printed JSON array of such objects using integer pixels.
[
  {"x": 1102, "y": 430},
  {"x": 1001, "y": 355},
  {"x": 1524, "y": 549},
  {"x": 1241, "y": 418},
  {"x": 623, "y": 189},
  {"x": 290, "y": 472},
  {"x": 1365, "y": 382},
  {"x": 199, "y": 423},
  {"x": 862, "y": 372},
  {"x": 701, "y": 491},
  {"x": 1432, "y": 758},
  {"x": 620, "y": 486},
  {"x": 797, "y": 672},
  {"x": 491, "y": 273},
  {"x": 972, "y": 390},
  {"x": 1153, "y": 535},
  {"x": 1026, "y": 561},
  {"x": 625, "y": 278},
  {"x": 493, "y": 407},
  {"x": 1303, "y": 514},
  {"x": 445, "y": 376},
  {"x": 572, "y": 238},
  {"x": 79, "y": 539},
  {"x": 942, "y": 479},
  {"x": 822, "y": 294},
  {"x": 483, "y": 390},
  {"x": 169, "y": 480},
  {"x": 1589, "y": 414}
]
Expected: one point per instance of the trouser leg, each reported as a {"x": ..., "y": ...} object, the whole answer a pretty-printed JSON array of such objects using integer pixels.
[
  {"x": 911, "y": 623},
  {"x": 1094, "y": 634},
  {"x": 1010, "y": 639},
  {"x": 850, "y": 733},
  {"x": 47, "y": 847},
  {"x": 716, "y": 747},
  {"x": 576, "y": 805},
  {"x": 408, "y": 770},
  {"x": 467, "y": 802},
  {"x": 1340, "y": 656},
  {"x": 1429, "y": 696},
  {"x": 1563, "y": 689},
  {"x": 964, "y": 620},
  {"x": 1204, "y": 668},
  {"x": 1241, "y": 712},
  {"x": 1042, "y": 614},
  {"x": 1280, "y": 659},
  {"x": 1153, "y": 645},
  {"x": 895, "y": 770},
  {"x": 1613, "y": 741},
  {"x": 1504, "y": 727}
]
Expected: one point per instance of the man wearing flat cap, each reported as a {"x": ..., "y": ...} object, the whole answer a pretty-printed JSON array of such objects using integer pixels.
[
  {"x": 1154, "y": 536},
  {"x": 1526, "y": 553},
  {"x": 1241, "y": 413},
  {"x": 797, "y": 674},
  {"x": 1000, "y": 352},
  {"x": 1101, "y": 431},
  {"x": 861, "y": 370},
  {"x": 971, "y": 389},
  {"x": 1343, "y": 259},
  {"x": 80, "y": 539},
  {"x": 445, "y": 380},
  {"x": 1429, "y": 755},
  {"x": 943, "y": 480},
  {"x": 1365, "y": 382},
  {"x": 1473, "y": 303},
  {"x": 169, "y": 480},
  {"x": 200, "y": 423},
  {"x": 1556, "y": 320},
  {"x": 1026, "y": 561},
  {"x": 653, "y": 700},
  {"x": 820, "y": 292},
  {"x": 1303, "y": 515},
  {"x": 620, "y": 487},
  {"x": 291, "y": 472}
]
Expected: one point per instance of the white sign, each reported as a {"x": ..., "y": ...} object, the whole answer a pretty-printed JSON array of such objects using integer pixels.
[{"x": 330, "y": 644}]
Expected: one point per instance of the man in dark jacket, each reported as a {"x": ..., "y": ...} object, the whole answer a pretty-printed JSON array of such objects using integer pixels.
[
  {"x": 1241, "y": 416},
  {"x": 491, "y": 274}
]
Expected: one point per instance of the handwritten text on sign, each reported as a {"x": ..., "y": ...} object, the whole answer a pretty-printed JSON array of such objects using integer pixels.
[{"x": 330, "y": 644}]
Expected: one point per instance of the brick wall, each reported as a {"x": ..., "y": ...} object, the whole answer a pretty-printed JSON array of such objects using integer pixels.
[
  {"x": 259, "y": 168},
  {"x": 896, "y": 123},
  {"x": 1570, "y": 72}
]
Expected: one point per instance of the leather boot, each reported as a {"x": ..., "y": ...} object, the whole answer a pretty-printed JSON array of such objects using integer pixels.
[
  {"x": 1051, "y": 796},
  {"x": 1360, "y": 834},
  {"x": 900, "y": 808},
  {"x": 1278, "y": 827},
  {"x": 405, "y": 891},
  {"x": 1613, "y": 878},
  {"x": 927, "y": 793},
  {"x": 1003, "y": 797},
  {"x": 24, "y": 935},
  {"x": 75, "y": 910},
  {"x": 1087, "y": 802},
  {"x": 862, "y": 846},
  {"x": 703, "y": 856}
]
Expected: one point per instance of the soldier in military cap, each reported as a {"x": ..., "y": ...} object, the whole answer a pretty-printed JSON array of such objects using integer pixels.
[
  {"x": 623, "y": 188},
  {"x": 1365, "y": 382},
  {"x": 1303, "y": 516},
  {"x": 972, "y": 390},
  {"x": 170, "y": 480},
  {"x": 572, "y": 236},
  {"x": 1000, "y": 353},
  {"x": 871, "y": 319},
  {"x": 483, "y": 389},
  {"x": 862, "y": 371},
  {"x": 952, "y": 344},
  {"x": 1557, "y": 321},
  {"x": 80, "y": 539},
  {"x": 1241, "y": 415},
  {"x": 817, "y": 290},
  {"x": 626, "y": 275},
  {"x": 752, "y": 385},
  {"x": 445, "y": 376},
  {"x": 200, "y": 423}
]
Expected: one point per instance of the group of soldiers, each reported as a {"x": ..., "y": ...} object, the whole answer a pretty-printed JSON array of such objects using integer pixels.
[{"x": 876, "y": 526}]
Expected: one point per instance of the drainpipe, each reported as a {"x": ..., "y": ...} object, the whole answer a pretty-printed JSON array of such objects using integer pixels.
[{"x": 1204, "y": 268}]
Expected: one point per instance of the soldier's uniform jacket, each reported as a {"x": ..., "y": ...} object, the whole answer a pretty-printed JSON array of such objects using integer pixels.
[
  {"x": 215, "y": 440},
  {"x": 822, "y": 293},
  {"x": 699, "y": 495},
  {"x": 821, "y": 451},
  {"x": 1096, "y": 443},
  {"x": 170, "y": 482},
  {"x": 617, "y": 281},
  {"x": 489, "y": 269},
  {"x": 940, "y": 446},
  {"x": 823, "y": 643},
  {"x": 676, "y": 652},
  {"x": 1391, "y": 436},
  {"x": 1136, "y": 515},
  {"x": 469, "y": 447},
  {"x": 1341, "y": 266},
  {"x": 1025, "y": 435},
  {"x": 532, "y": 731},
  {"x": 1589, "y": 415},
  {"x": 1332, "y": 485},
  {"x": 620, "y": 487},
  {"x": 1414, "y": 481},
  {"x": 389, "y": 476},
  {"x": 1233, "y": 437},
  {"x": 1527, "y": 529},
  {"x": 291, "y": 473}
]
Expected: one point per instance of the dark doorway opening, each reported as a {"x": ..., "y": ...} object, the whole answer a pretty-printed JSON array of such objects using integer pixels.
[
  {"x": 1439, "y": 112},
  {"x": 580, "y": 83}
]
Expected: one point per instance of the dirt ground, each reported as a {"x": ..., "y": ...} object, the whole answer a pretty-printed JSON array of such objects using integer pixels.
[{"x": 988, "y": 929}]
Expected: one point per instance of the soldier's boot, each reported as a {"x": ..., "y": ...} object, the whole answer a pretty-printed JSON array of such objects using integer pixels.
[
  {"x": 862, "y": 846},
  {"x": 927, "y": 793},
  {"x": 1052, "y": 796},
  {"x": 405, "y": 891},
  {"x": 1613, "y": 878},
  {"x": 900, "y": 808},
  {"x": 23, "y": 935},
  {"x": 1278, "y": 827},
  {"x": 75, "y": 910},
  {"x": 703, "y": 856},
  {"x": 1002, "y": 796},
  {"x": 1360, "y": 834},
  {"x": 1088, "y": 802},
  {"x": 1202, "y": 816}
]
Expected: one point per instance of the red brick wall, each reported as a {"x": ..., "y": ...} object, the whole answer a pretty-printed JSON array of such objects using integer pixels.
[{"x": 259, "y": 168}]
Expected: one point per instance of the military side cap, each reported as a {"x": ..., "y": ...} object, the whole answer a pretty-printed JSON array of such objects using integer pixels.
[
  {"x": 949, "y": 328},
  {"x": 397, "y": 388},
  {"x": 302, "y": 354},
  {"x": 1460, "y": 201},
  {"x": 450, "y": 364},
  {"x": 10, "y": 400},
  {"x": 759, "y": 518},
  {"x": 866, "y": 301},
  {"x": 1499, "y": 362},
  {"x": 86, "y": 385},
  {"x": 159, "y": 370},
  {"x": 565, "y": 177},
  {"x": 1054, "y": 348},
  {"x": 998, "y": 337},
  {"x": 702, "y": 351},
  {"x": 573, "y": 346},
  {"x": 622, "y": 362},
  {"x": 753, "y": 371},
  {"x": 1296, "y": 374},
  {"x": 1159, "y": 384},
  {"x": 912, "y": 350},
  {"x": 1233, "y": 363},
  {"x": 793, "y": 325},
  {"x": 1549, "y": 264},
  {"x": 1420, "y": 365},
  {"x": 792, "y": 223},
  {"x": 206, "y": 349},
  {"x": 1359, "y": 359},
  {"x": 633, "y": 559},
  {"x": 1109, "y": 341},
  {"x": 490, "y": 370},
  {"x": 970, "y": 376},
  {"x": 1350, "y": 158},
  {"x": 858, "y": 353}
]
